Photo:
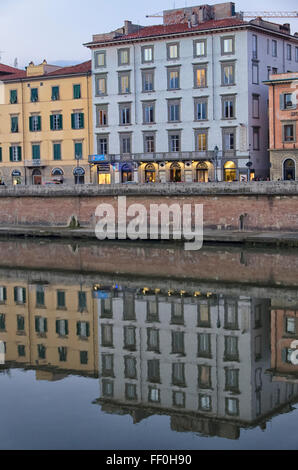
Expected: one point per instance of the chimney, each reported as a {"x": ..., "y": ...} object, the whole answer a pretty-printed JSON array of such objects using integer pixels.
[
  {"x": 189, "y": 23},
  {"x": 127, "y": 25},
  {"x": 194, "y": 19}
]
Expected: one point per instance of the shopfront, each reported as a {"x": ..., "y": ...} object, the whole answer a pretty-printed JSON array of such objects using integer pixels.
[
  {"x": 230, "y": 171},
  {"x": 126, "y": 173},
  {"x": 16, "y": 177},
  {"x": 150, "y": 173}
]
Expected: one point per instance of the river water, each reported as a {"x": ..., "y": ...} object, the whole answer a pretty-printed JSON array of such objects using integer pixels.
[{"x": 146, "y": 346}]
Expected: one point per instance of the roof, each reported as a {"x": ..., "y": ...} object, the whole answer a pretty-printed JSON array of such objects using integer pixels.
[
  {"x": 82, "y": 68},
  {"x": 7, "y": 70},
  {"x": 163, "y": 30}
]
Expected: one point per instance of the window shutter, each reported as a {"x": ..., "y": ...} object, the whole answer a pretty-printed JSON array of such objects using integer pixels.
[
  {"x": 24, "y": 295},
  {"x": 66, "y": 327},
  {"x": 0, "y": 154},
  {"x": 60, "y": 121},
  {"x": 87, "y": 329},
  {"x": 78, "y": 328},
  {"x": 57, "y": 326},
  {"x": 52, "y": 122},
  {"x": 4, "y": 294},
  {"x": 284, "y": 355},
  {"x": 19, "y": 154},
  {"x": 281, "y": 101},
  {"x": 82, "y": 120},
  {"x": 15, "y": 294},
  {"x": 31, "y": 123},
  {"x": 39, "y": 123},
  {"x": 73, "y": 121},
  {"x": 37, "y": 324},
  {"x": 45, "y": 325},
  {"x": 10, "y": 154}
]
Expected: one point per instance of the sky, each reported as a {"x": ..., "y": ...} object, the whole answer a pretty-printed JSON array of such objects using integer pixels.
[{"x": 55, "y": 30}]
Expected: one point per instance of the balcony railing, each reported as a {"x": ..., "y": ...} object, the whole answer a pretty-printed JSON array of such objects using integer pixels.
[
  {"x": 36, "y": 163},
  {"x": 165, "y": 156}
]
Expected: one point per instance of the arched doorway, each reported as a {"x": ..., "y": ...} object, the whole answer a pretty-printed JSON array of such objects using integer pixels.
[
  {"x": 57, "y": 174},
  {"x": 150, "y": 173},
  {"x": 36, "y": 177},
  {"x": 126, "y": 173},
  {"x": 175, "y": 173},
  {"x": 230, "y": 172},
  {"x": 202, "y": 172},
  {"x": 79, "y": 175},
  {"x": 289, "y": 170}
]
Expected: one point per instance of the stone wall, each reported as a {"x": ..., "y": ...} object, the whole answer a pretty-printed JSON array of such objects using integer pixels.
[{"x": 260, "y": 206}]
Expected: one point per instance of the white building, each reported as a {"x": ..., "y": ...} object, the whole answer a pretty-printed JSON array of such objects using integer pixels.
[{"x": 184, "y": 101}]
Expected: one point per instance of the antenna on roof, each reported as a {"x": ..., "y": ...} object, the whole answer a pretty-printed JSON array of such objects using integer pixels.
[{"x": 15, "y": 64}]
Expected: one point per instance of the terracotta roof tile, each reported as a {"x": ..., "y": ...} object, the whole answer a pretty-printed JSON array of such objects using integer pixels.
[{"x": 80, "y": 68}]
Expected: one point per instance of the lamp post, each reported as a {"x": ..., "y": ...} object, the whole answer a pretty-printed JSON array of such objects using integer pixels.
[{"x": 215, "y": 151}]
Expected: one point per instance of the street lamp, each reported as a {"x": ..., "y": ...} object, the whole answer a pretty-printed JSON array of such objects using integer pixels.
[{"x": 216, "y": 149}]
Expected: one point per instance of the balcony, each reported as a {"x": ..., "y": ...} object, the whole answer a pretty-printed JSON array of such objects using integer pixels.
[
  {"x": 35, "y": 163},
  {"x": 155, "y": 157}
]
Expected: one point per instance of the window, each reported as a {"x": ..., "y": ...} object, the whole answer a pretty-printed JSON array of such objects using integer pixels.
[
  {"x": 102, "y": 115},
  {"x": 296, "y": 54},
  {"x": 101, "y": 85},
  {"x": 107, "y": 335},
  {"x": 255, "y": 74},
  {"x": 152, "y": 311},
  {"x": 20, "y": 323},
  {"x": 174, "y": 142},
  {"x": 131, "y": 391},
  {"x": 231, "y": 315},
  {"x": 147, "y": 80},
  {"x": 147, "y": 54},
  {"x": 2, "y": 321},
  {"x": 227, "y": 74},
  {"x": 21, "y": 350},
  {"x": 288, "y": 133},
  {"x": 200, "y": 76},
  {"x": 83, "y": 329},
  {"x": 179, "y": 399},
  {"x": 227, "y": 45},
  {"x": 153, "y": 339},
  {"x": 173, "y": 50},
  {"x": 13, "y": 96},
  {"x": 173, "y": 79},
  {"x": 232, "y": 380},
  {"x": 204, "y": 345},
  {"x": 256, "y": 138},
  {"x": 153, "y": 369},
  {"x": 130, "y": 367},
  {"x": 204, "y": 315},
  {"x": 124, "y": 114},
  {"x": 41, "y": 351},
  {"x": 148, "y": 112},
  {"x": 178, "y": 342},
  {"x": 3, "y": 295},
  {"x": 228, "y": 107},
  {"x": 34, "y": 95},
  {"x": 256, "y": 106},
  {"x": 201, "y": 109},
  {"x": 289, "y": 52},
  {"x": 107, "y": 361},
  {"x": 102, "y": 145},
  {"x": 254, "y": 46},
  {"x": 77, "y": 121},
  {"x": 258, "y": 347},
  {"x": 231, "y": 349},
  {"x": 61, "y": 299},
  {"x": 124, "y": 83},
  {"x": 205, "y": 403},
  {"x": 173, "y": 110},
  {"x": 78, "y": 151},
  {"x": 62, "y": 352},
  {"x": 14, "y": 124},
  {"x": 56, "y": 122},
  {"x": 82, "y": 301},
  {"x": 232, "y": 406},
  {"x": 229, "y": 140},
  {"x": 106, "y": 308},
  {"x": 204, "y": 376},
  {"x": 107, "y": 388},
  {"x": 154, "y": 395},
  {"x": 129, "y": 312},
  {"x": 57, "y": 151},
  {"x": 201, "y": 137},
  {"x": 268, "y": 72},
  {"x": 35, "y": 123},
  {"x": 20, "y": 295},
  {"x": 274, "y": 70},
  {"x": 55, "y": 93},
  {"x": 123, "y": 57},
  {"x": 129, "y": 337},
  {"x": 41, "y": 325},
  {"x": 290, "y": 325},
  {"x": 35, "y": 152},
  {"x": 62, "y": 327},
  {"x": 200, "y": 48},
  {"x": 287, "y": 101},
  {"x": 178, "y": 374},
  {"x": 76, "y": 92},
  {"x": 149, "y": 143},
  {"x": 84, "y": 357},
  {"x": 100, "y": 59},
  {"x": 274, "y": 48},
  {"x": 40, "y": 297},
  {"x": 125, "y": 143},
  {"x": 15, "y": 153},
  {"x": 177, "y": 314}
]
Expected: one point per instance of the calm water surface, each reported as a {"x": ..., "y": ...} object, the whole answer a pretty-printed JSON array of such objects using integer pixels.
[{"x": 145, "y": 346}]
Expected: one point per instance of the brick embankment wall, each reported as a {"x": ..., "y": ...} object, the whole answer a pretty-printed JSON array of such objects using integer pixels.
[{"x": 227, "y": 206}]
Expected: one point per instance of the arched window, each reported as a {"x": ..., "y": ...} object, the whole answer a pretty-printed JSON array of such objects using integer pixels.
[
  {"x": 79, "y": 175},
  {"x": 126, "y": 173},
  {"x": 202, "y": 172},
  {"x": 175, "y": 173},
  {"x": 230, "y": 172},
  {"x": 289, "y": 170},
  {"x": 57, "y": 173},
  {"x": 16, "y": 177},
  {"x": 150, "y": 173}
]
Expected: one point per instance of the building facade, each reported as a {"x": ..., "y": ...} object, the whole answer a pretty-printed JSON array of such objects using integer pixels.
[
  {"x": 185, "y": 101},
  {"x": 45, "y": 124},
  {"x": 283, "y": 116}
]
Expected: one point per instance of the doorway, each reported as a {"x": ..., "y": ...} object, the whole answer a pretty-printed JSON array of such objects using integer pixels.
[{"x": 36, "y": 177}]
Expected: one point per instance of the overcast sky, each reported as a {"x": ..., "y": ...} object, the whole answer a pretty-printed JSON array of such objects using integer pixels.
[{"x": 56, "y": 29}]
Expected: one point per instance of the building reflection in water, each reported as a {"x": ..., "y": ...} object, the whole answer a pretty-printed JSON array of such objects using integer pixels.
[{"x": 212, "y": 362}]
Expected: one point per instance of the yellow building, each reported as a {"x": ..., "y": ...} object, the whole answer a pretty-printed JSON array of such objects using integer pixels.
[{"x": 45, "y": 124}]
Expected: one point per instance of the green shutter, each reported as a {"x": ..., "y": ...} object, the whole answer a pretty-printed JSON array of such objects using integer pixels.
[
  {"x": 77, "y": 92},
  {"x": 87, "y": 329},
  {"x": 57, "y": 151},
  {"x": 13, "y": 96},
  {"x": 78, "y": 150},
  {"x": 52, "y": 122},
  {"x": 0, "y": 154},
  {"x": 19, "y": 154},
  {"x": 35, "y": 152},
  {"x": 15, "y": 294},
  {"x": 82, "y": 120},
  {"x": 24, "y": 295},
  {"x": 10, "y": 154},
  {"x": 37, "y": 324},
  {"x": 31, "y": 123},
  {"x": 73, "y": 121},
  {"x": 34, "y": 95},
  {"x": 39, "y": 123},
  {"x": 60, "y": 121},
  {"x": 66, "y": 327},
  {"x": 14, "y": 124},
  {"x": 4, "y": 294},
  {"x": 45, "y": 325},
  {"x": 57, "y": 326},
  {"x": 78, "y": 328}
]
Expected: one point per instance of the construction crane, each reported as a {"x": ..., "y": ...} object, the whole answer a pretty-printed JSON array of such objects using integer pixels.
[{"x": 250, "y": 14}]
